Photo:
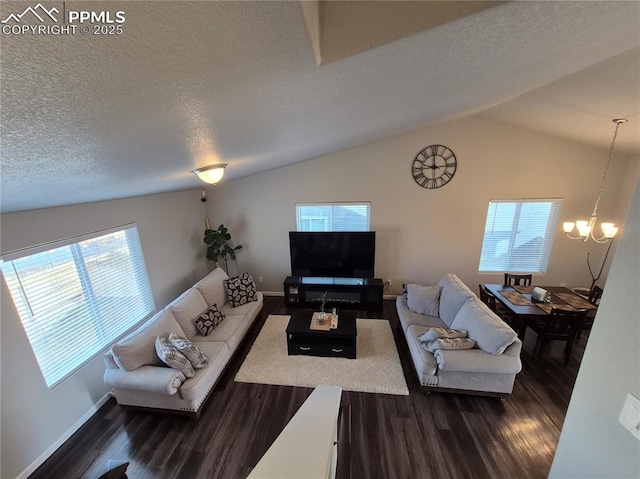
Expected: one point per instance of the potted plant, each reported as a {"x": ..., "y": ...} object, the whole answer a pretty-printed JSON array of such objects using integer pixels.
[
  {"x": 218, "y": 245},
  {"x": 322, "y": 315}
]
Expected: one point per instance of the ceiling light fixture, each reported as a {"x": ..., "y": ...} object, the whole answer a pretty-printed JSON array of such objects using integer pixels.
[
  {"x": 210, "y": 174},
  {"x": 585, "y": 228}
]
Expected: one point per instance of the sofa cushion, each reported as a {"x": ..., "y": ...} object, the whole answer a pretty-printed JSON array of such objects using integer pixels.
[
  {"x": 231, "y": 331},
  {"x": 408, "y": 317},
  {"x": 186, "y": 308},
  {"x": 245, "y": 309},
  {"x": 196, "y": 388},
  {"x": 454, "y": 294},
  {"x": 439, "y": 333},
  {"x": 213, "y": 289},
  {"x": 138, "y": 349},
  {"x": 423, "y": 299},
  {"x": 190, "y": 350},
  {"x": 448, "y": 343},
  {"x": 241, "y": 290},
  {"x": 491, "y": 333},
  {"x": 173, "y": 358},
  {"x": 207, "y": 321}
]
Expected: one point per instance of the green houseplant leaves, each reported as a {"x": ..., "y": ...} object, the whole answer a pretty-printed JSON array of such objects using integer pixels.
[{"x": 218, "y": 245}]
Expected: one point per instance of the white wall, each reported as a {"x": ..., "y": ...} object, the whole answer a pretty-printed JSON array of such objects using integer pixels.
[
  {"x": 34, "y": 418},
  {"x": 593, "y": 444},
  {"x": 423, "y": 234}
]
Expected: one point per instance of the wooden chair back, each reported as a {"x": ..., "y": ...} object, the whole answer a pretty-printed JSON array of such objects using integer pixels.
[
  {"x": 517, "y": 279},
  {"x": 595, "y": 294},
  {"x": 487, "y": 297}
]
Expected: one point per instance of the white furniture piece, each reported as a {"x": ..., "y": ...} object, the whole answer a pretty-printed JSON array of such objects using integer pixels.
[
  {"x": 306, "y": 446},
  {"x": 138, "y": 377},
  {"x": 489, "y": 368}
]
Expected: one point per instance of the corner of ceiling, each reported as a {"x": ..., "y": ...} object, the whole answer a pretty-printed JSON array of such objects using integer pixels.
[{"x": 310, "y": 13}]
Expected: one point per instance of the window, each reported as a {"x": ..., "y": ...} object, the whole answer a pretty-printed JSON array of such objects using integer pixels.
[
  {"x": 333, "y": 216},
  {"x": 76, "y": 297},
  {"x": 518, "y": 235}
]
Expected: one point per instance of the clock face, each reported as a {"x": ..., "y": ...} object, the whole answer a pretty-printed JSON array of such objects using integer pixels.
[{"x": 434, "y": 166}]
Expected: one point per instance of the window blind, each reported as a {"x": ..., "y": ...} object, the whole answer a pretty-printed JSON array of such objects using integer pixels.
[
  {"x": 333, "y": 216},
  {"x": 518, "y": 235},
  {"x": 75, "y": 298}
]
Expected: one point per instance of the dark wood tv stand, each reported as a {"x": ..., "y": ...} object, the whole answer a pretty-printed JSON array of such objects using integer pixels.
[{"x": 343, "y": 293}]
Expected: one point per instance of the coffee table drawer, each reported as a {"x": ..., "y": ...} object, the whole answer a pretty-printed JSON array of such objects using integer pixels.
[{"x": 324, "y": 350}]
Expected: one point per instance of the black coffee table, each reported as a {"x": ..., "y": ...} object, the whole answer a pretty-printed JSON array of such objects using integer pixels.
[{"x": 339, "y": 342}]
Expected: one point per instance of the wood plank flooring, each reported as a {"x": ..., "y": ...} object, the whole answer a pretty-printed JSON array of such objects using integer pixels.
[{"x": 416, "y": 436}]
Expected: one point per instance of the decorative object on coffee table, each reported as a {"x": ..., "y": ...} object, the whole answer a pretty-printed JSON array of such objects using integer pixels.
[{"x": 322, "y": 316}]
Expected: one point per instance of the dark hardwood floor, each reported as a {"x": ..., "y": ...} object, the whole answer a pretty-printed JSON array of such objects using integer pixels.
[{"x": 416, "y": 436}]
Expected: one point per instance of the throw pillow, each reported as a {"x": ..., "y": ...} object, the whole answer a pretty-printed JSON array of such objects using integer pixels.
[
  {"x": 424, "y": 299},
  {"x": 439, "y": 333},
  {"x": 241, "y": 290},
  {"x": 490, "y": 332},
  {"x": 208, "y": 320},
  {"x": 190, "y": 350},
  {"x": 173, "y": 358},
  {"x": 449, "y": 343}
]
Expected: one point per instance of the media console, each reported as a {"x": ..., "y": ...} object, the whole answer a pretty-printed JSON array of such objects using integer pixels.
[{"x": 345, "y": 293}]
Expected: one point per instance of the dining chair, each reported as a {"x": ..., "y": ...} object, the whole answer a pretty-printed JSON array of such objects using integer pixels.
[
  {"x": 517, "y": 279},
  {"x": 595, "y": 294},
  {"x": 561, "y": 325},
  {"x": 517, "y": 324},
  {"x": 487, "y": 297}
]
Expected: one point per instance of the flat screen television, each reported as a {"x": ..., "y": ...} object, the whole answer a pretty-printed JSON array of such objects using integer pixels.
[{"x": 333, "y": 254}]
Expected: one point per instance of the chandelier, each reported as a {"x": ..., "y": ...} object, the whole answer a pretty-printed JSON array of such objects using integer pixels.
[{"x": 585, "y": 227}]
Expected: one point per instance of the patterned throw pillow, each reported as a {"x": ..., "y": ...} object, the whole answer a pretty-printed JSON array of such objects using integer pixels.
[
  {"x": 190, "y": 350},
  {"x": 173, "y": 358},
  {"x": 241, "y": 290},
  {"x": 449, "y": 343},
  {"x": 208, "y": 320}
]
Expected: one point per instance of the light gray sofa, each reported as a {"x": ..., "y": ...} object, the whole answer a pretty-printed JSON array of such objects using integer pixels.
[
  {"x": 140, "y": 379},
  {"x": 489, "y": 368}
]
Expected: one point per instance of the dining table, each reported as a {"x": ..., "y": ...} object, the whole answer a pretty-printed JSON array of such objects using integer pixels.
[{"x": 517, "y": 299}]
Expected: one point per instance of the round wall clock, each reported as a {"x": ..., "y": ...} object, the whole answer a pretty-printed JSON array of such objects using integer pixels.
[{"x": 434, "y": 166}]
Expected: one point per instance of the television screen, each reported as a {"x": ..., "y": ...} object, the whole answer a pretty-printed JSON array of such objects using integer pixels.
[{"x": 333, "y": 254}]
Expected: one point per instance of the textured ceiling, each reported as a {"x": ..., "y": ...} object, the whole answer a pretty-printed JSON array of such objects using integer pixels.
[{"x": 87, "y": 118}]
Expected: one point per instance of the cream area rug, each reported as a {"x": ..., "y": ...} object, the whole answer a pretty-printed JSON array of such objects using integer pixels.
[{"x": 376, "y": 368}]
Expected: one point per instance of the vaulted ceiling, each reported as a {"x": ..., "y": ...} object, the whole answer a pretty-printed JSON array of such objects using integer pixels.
[{"x": 259, "y": 85}]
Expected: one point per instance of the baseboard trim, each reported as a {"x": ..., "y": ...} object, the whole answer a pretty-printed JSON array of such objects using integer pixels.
[{"x": 62, "y": 439}]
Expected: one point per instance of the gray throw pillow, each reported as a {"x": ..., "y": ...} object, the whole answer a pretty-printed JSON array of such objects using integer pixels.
[
  {"x": 424, "y": 299},
  {"x": 449, "y": 343},
  {"x": 439, "y": 333},
  {"x": 173, "y": 358},
  {"x": 490, "y": 332},
  {"x": 190, "y": 350}
]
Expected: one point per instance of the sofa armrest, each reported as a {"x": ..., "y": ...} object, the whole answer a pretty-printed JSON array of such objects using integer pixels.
[
  {"x": 154, "y": 379},
  {"x": 109, "y": 360},
  {"x": 514, "y": 349},
  {"x": 476, "y": 361}
]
